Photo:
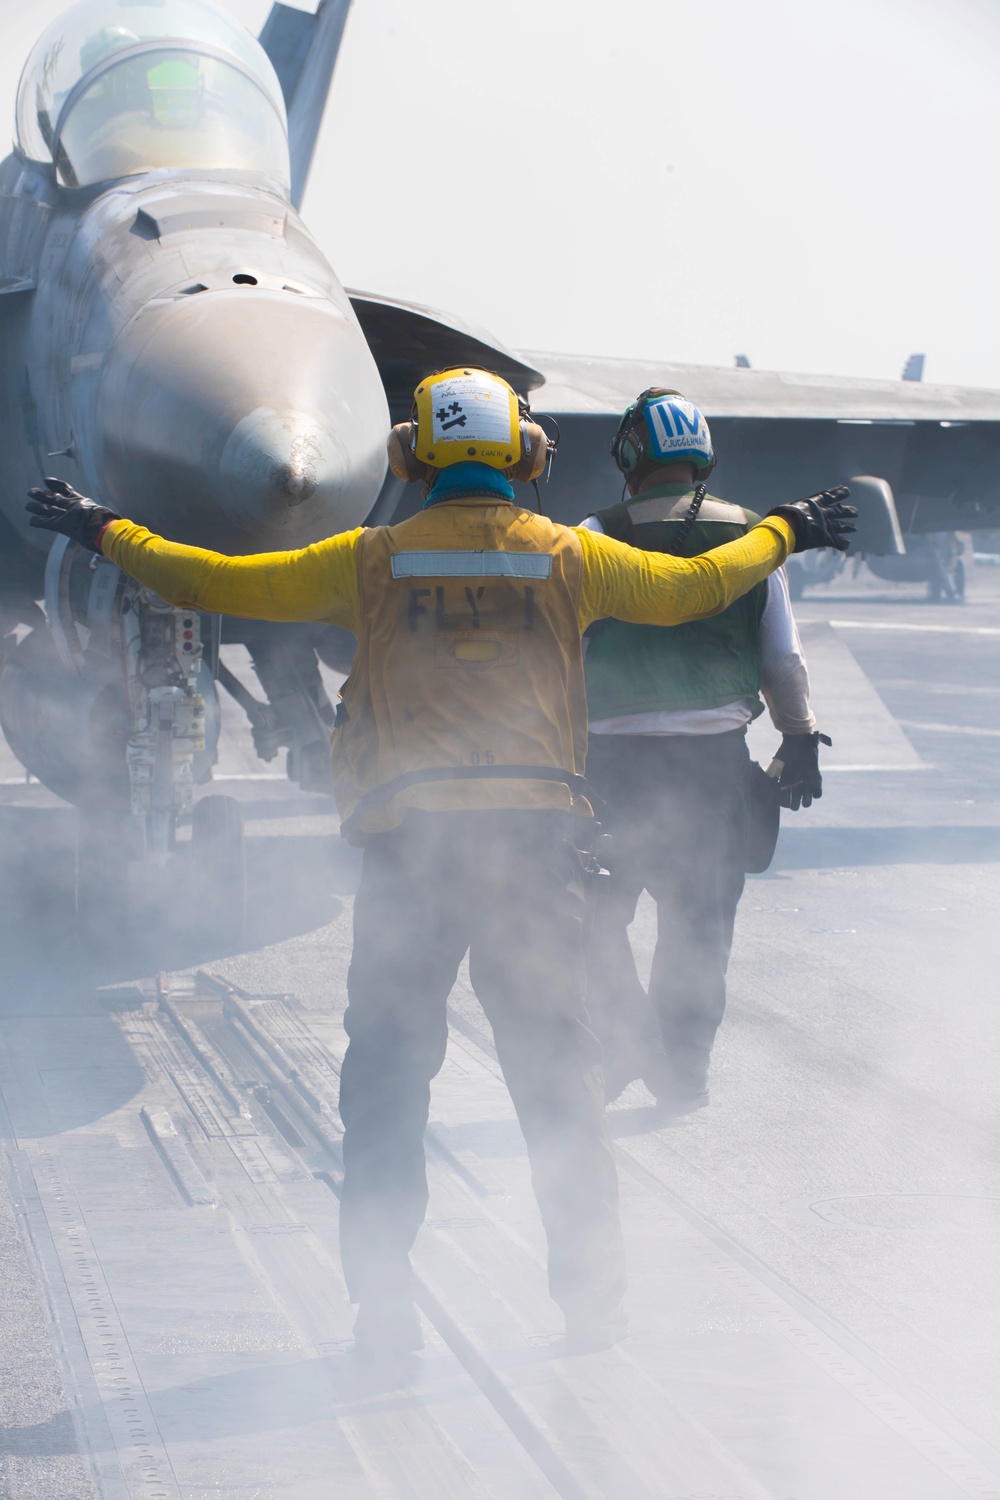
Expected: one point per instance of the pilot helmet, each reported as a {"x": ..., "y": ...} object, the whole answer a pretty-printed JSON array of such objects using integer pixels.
[{"x": 101, "y": 44}]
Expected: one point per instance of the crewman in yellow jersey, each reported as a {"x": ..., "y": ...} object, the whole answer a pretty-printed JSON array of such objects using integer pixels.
[{"x": 458, "y": 759}]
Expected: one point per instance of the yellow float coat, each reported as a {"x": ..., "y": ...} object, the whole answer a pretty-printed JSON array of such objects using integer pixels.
[{"x": 463, "y": 667}]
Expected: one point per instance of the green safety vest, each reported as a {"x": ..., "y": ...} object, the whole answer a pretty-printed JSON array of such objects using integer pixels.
[{"x": 636, "y": 669}]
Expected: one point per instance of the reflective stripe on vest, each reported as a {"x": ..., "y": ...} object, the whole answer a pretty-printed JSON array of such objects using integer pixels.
[{"x": 472, "y": 565}]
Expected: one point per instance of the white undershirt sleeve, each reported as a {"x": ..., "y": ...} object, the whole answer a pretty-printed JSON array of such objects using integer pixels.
[{"x": 784, "y": 676}]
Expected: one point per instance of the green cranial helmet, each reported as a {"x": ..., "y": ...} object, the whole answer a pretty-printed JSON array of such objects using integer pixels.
[{"x": 662, "y": 427}]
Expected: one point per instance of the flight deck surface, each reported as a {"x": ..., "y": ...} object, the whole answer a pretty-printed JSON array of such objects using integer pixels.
[{"x": 814, "y": 1307}]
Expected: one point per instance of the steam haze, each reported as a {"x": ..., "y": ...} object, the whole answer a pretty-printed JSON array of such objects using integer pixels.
[{"x": 812, "y": 1257}]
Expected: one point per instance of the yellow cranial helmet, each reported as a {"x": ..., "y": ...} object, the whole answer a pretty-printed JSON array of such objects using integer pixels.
[{"x": 466, "y": 414}]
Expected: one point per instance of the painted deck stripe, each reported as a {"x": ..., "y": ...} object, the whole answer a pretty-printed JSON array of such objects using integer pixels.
[
  {"x": 921, "y": 724},
  {"x": 904, "y": 625}
]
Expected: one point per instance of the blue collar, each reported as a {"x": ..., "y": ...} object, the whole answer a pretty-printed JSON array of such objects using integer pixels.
[{"x": 469, "y": 478}]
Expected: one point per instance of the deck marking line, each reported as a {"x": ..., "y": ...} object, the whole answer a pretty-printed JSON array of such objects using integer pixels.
[
  {"x": 95, "y": 1444},
  {"x": 830, "y": 770},
  {"x": 975, "y": 729},
  {"x": 145, "y": 1466},
  {"x": 905, "y": 625}
]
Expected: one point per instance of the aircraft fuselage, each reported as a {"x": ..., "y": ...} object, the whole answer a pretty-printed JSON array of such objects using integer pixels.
[{"x": 188, "y": 357}]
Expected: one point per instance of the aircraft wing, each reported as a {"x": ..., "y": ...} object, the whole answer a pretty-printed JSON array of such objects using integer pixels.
[
  {"x": 303, "y": 49},
  {"x": 580, "y": 383},
  {"x": 409, "y": 340},
  {"x": 781, "y": 435}
]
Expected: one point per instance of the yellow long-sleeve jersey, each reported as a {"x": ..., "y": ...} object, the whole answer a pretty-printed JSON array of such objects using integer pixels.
[
  {"x": 468, "y": 617},
  {"x": 321, "y": 582}
]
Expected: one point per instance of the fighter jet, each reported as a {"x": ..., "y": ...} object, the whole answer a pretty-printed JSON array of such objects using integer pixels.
[
  {"x": 920, "y": 459},
  {"x": 936, "y": 448},
  {"x": 174, "y": 343}
]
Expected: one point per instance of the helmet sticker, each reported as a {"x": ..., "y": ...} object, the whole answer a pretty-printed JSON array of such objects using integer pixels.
[
  {"x": 471, "y": 407},
  {"x": 677, "y": 426}
]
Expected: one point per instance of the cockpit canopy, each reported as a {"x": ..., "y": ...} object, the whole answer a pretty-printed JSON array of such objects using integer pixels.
[{"x": 116, "y": 87}]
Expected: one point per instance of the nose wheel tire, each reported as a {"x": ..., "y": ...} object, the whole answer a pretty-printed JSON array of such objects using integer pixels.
[{"x": 219, "y": 858}]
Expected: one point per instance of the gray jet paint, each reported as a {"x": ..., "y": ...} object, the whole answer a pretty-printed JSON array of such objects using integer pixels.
[
  {"x": 175, "y": 344},
  {"x": 184, "y": 352}
]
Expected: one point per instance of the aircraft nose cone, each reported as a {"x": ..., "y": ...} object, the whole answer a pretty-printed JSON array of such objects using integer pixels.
[
  {"x": 274, "y": 461},
  {"x": 244, "y": 421}
]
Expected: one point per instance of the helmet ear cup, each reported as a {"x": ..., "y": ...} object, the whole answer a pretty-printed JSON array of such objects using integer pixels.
[
  {"x": 629, "y": 453},
  {"x": 534, "y": 452},
  {"x": 627, "y": 446},
  {"x": 402, "y": 460}
]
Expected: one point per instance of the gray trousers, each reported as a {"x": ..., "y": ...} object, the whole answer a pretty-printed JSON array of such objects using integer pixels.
[
  {"x": 674, "y": 807},
  {"x": 506, "y": 887}
]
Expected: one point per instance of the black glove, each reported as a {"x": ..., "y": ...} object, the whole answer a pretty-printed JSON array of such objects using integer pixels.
[
  {"x": 820, "y": 520},
  {"x": 58, "y": 507},
  {"x": 798, "y": 757}
]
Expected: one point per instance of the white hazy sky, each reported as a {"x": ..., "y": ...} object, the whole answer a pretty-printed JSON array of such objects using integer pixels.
[{"x": 812, "y": 184}]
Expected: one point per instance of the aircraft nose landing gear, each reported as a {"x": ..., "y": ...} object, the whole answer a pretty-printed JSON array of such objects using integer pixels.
[
  {"x": 116, "y": 705},
  {"x": 203, "y": 884},
  {"x": 163, "y": 653}
]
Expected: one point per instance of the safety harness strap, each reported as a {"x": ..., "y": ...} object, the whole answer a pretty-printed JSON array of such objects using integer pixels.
[
  {"x": 380, "y": 795},
  {"x": 617, "y": 522}
]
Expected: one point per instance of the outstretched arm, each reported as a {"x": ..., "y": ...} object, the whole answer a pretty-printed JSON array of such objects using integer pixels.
[
  {"x": 314, "y": 583},
  {"x": 653, "y": 588},
  {"x": 317, "y": 582}
]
